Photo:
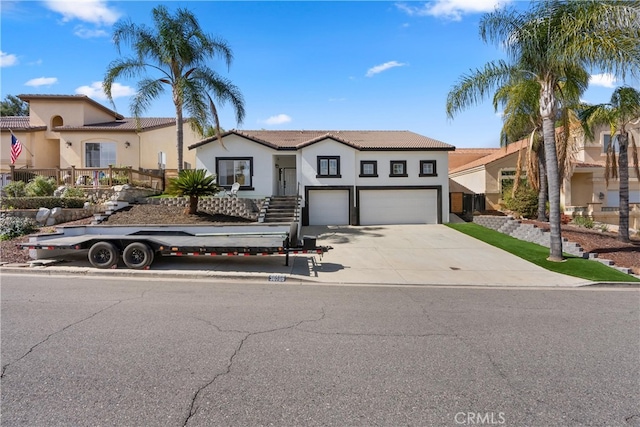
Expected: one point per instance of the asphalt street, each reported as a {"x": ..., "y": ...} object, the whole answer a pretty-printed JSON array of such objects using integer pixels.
[{"x": 89, "y": 351}]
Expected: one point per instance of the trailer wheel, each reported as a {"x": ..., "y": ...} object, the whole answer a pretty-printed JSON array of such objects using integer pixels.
[
  {"x": 103, "y": 255},
  {"x": 137, "y": 255}
]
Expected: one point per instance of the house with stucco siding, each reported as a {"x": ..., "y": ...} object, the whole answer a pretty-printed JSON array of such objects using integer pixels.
[
  {"x": 62, "y": 131},
  {"x": 342, "y": 177}
]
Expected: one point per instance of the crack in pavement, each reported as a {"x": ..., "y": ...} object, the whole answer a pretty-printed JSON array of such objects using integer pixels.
[
  {"x": 4, "y": 367},
  {"x": 518, "y": 392},
  {"x": 193, "y": 410}
]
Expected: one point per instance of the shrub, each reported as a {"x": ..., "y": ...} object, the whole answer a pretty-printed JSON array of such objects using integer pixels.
[
  {"x": 583, "y": 221},
  {"x": 41, "y": 186},
  {"x": 11, "y": 227},
  {"x": 15, "y": 189},
  {"x": 73, "y": 193},
  {"x": 41, "y": 202},
  {"x": 524, "y": 202},
  {"x": 194, "y": 183}
]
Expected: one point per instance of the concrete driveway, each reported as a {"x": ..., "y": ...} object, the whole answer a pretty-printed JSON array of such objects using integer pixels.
[{"x": 420, "y": 254}]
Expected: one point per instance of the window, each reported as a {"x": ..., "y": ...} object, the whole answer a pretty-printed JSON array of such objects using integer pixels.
[
  {"x": 606, "y": 141},
  {"x": 99, "y": 154},
  {"x": 369, "y": 168},
  {"x": 329, "y": 167},
  {"x": 398, "y": 168},
  {"x": 428, "y": 168},
  {"x": 232, "y": 169}
]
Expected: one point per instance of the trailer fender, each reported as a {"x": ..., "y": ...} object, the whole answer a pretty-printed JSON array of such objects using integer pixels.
[
  {"x": 137, "y": 255},
  {"x": 103, "y": 255}
]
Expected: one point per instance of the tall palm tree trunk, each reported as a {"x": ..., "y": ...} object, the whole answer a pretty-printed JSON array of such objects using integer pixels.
[
  {"x": 543, "y": 191},
  {"x": 547, "y": 112},
  {"x": 623, "y": 165},
  {"x": 179, "y": 136}
]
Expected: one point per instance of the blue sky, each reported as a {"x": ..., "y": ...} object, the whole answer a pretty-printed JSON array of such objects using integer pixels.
[{"x": 380, "y": 65}]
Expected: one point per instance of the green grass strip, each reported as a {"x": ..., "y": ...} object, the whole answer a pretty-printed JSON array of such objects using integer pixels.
[{"x": 536, "y": 254}]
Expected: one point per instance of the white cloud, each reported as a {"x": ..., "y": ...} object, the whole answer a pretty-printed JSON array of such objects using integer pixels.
[
  {"x": 85, "y": 33},
  {"x": 95, "y": 91},
  {"x": 383, "y": 67},
  {"x": 604, "y": 80},
  {"x": 451, "y": 9},
  {"x": 42, "y": 81},
  {"x": 94, "y": 11},
  {"x": 7, "y": 59},
  {"x": 277, "y": 120}
]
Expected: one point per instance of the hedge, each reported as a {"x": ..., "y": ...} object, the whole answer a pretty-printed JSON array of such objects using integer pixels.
[{"x": 41, "y": 202}]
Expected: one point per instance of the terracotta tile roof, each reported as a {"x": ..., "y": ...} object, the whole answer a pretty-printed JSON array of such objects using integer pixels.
[
  {"x": 18, "y": 123},
  {"x": 487, "y": 151},
  {"x": 360, "y": 140},
  {"x": 82, "y": 98},
  {"x": 578, "y": 164},
  {"x": 128, "y": 124},
  {"x": 497, "y": 155}
]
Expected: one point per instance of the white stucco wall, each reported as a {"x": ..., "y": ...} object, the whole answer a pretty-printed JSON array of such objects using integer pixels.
[
  {"x": 234, "y": 146},
  {"x": 308, "y": 166}
]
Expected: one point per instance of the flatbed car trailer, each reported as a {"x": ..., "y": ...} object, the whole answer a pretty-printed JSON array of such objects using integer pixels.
[{"x": 139, "y": 245}]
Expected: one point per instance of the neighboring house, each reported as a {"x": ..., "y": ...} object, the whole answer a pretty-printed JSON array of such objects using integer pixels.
[
  {"x": 584, "y": 189},
  {"x": 62, "y": 131},
  {"x": 342, "y": 177},
  {"x": 485, "y": 175}
]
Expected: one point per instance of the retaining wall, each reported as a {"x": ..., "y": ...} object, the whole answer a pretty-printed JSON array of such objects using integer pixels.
[{"x": 232, "y": 206}]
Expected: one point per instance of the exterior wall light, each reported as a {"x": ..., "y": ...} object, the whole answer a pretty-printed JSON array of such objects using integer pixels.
[
  {"x": 69, "y": 144},
  {"x": 127, "y": 144}
]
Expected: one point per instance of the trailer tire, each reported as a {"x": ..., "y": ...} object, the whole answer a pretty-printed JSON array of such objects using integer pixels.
[
  {"x": 103, "y": 255},
  {"x": 137, "y": 255}
]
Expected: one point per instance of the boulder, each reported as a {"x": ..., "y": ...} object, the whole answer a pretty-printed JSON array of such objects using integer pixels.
[{"x": 42, "y": 215}]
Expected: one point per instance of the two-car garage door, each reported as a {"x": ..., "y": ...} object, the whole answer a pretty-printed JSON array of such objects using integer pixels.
[
  {"x": 376, "y": 206},
  {"x": 398, "y": 206}
]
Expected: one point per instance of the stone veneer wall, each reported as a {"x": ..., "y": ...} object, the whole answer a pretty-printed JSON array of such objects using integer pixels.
[
  {"x": 527, "y": 232},
  {"x": 232, "y": 206}
]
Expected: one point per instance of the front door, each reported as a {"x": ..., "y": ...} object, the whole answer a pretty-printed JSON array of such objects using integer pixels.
[{"x": 287, "y": 182}]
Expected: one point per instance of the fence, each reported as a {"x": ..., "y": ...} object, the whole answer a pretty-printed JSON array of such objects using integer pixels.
[{"x": 94, "y": 177}]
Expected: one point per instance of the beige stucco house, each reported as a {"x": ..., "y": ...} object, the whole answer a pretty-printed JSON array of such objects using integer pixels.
[
  {"x": 584, "y": 190},
  {"x": 62, "y": 131}
]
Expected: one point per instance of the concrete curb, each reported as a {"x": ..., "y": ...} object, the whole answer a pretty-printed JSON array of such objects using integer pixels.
[{"x": 274, "y": 278}]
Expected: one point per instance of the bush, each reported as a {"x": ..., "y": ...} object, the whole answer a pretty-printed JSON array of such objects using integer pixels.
[
  {"x": 73, "y": 193},
  {"x": 41, "y": 186},
  {"x": 11, "y": 227},
  {"x": 525, "y": 201},
  {"x": 583, "y": 221},
  {"x": 41, "y": 202},
  {"x": 15, "y": 189}
]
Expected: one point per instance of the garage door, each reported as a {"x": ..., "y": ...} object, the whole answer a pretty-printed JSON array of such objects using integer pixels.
[
  {"x": 398, "y": 207},
  {"x": 329, "y": 207}
]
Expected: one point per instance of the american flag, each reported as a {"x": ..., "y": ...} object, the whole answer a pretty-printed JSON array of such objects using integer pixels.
[{"x": 16, "y": 148}]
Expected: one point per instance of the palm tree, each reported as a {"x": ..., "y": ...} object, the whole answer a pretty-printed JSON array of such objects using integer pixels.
[
  {"x": 553, "y": 40},
  {"x": 519, "y": 102},
  {"x": 622, "y": 110},
  {"x": 177, "y": 51},
  {"x": 194, "y": 183}
]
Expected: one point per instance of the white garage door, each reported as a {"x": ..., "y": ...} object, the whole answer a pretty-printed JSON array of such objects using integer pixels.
[
  {"x": 329, "y": 207},
  {"x": 398, "y": 207}
]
